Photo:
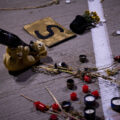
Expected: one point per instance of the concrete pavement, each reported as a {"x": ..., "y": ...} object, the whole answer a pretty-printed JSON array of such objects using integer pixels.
[{"x": 12, "y": 105}]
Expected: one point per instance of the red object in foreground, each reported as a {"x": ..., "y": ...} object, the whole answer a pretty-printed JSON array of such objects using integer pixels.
[
  {"x": 53, "y": 117},
  {"x": 117, "y": 58},
  {"x": 40, "y": 106},
  {"x": 87, "y": 78},
  {"x": 55, "y": 107},
  {"x": 85, "y": 89},
  {"x": 73, "y": 96},
  {"x": 95, "y": 93}
]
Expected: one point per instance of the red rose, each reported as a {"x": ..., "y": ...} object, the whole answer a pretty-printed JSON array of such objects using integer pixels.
[
  {"x": 87, "y": 78},
  {"x": 73, "y": 96}
]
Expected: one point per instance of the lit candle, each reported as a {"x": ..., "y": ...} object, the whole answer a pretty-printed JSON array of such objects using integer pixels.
[
  {"x": 89, "y": 100},
  {"x": 115, "y": 104},
  {"x": 89, "y": 113},
  {"x": 66, "y": 105}
]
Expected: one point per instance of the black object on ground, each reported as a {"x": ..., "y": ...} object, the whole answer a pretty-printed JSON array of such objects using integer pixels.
[
  {"x": 70, "y": 84},
  {"x": 89, "y": 100},
  {"x": 89, "y": 113},
  {"x": 79, "y": 25},
  {"x": 66, "y": 105},
  {"x": 10, "y": 40},
  {"x": 83, "y": 58},
  {"x": 63, "y": 64}
]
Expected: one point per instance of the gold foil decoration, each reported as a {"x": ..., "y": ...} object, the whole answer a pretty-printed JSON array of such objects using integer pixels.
[{"x": 48, "y": 31}]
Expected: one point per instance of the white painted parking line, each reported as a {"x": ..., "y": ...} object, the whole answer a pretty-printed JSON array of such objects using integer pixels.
[{"x": 103, "y": 56}]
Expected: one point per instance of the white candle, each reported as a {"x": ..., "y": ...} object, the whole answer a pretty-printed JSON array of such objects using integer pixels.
[
  {"x": 89, "y": 98},
  {"x": 89, "y": 111},
  {"x": 116, "y": 102}
]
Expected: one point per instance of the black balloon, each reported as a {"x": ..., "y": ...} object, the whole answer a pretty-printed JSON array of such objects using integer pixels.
[
  {"x": 10, "y": 40},
  {"x": 79, "y": 25}
]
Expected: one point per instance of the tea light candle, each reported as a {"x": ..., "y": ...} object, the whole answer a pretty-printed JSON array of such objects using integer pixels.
[
  {"x": 89, "y": 113},
  {"x": 89, "y": 100},
  {"x": 66, "y": 105},
  {"x": 115, "y": 104}
]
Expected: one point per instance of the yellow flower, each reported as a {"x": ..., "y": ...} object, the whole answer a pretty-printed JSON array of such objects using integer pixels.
[
  {"x": 93, "y": 17},
  {"x": 87, "y": 12},
  {"x": 97, "y": 18},
  {"x": 94, "y": 13}
]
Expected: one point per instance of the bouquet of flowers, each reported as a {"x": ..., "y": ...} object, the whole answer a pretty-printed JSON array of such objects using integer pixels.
[
  {"x": 91, "y": 17},
  {"x": 84, "y": 22}
]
